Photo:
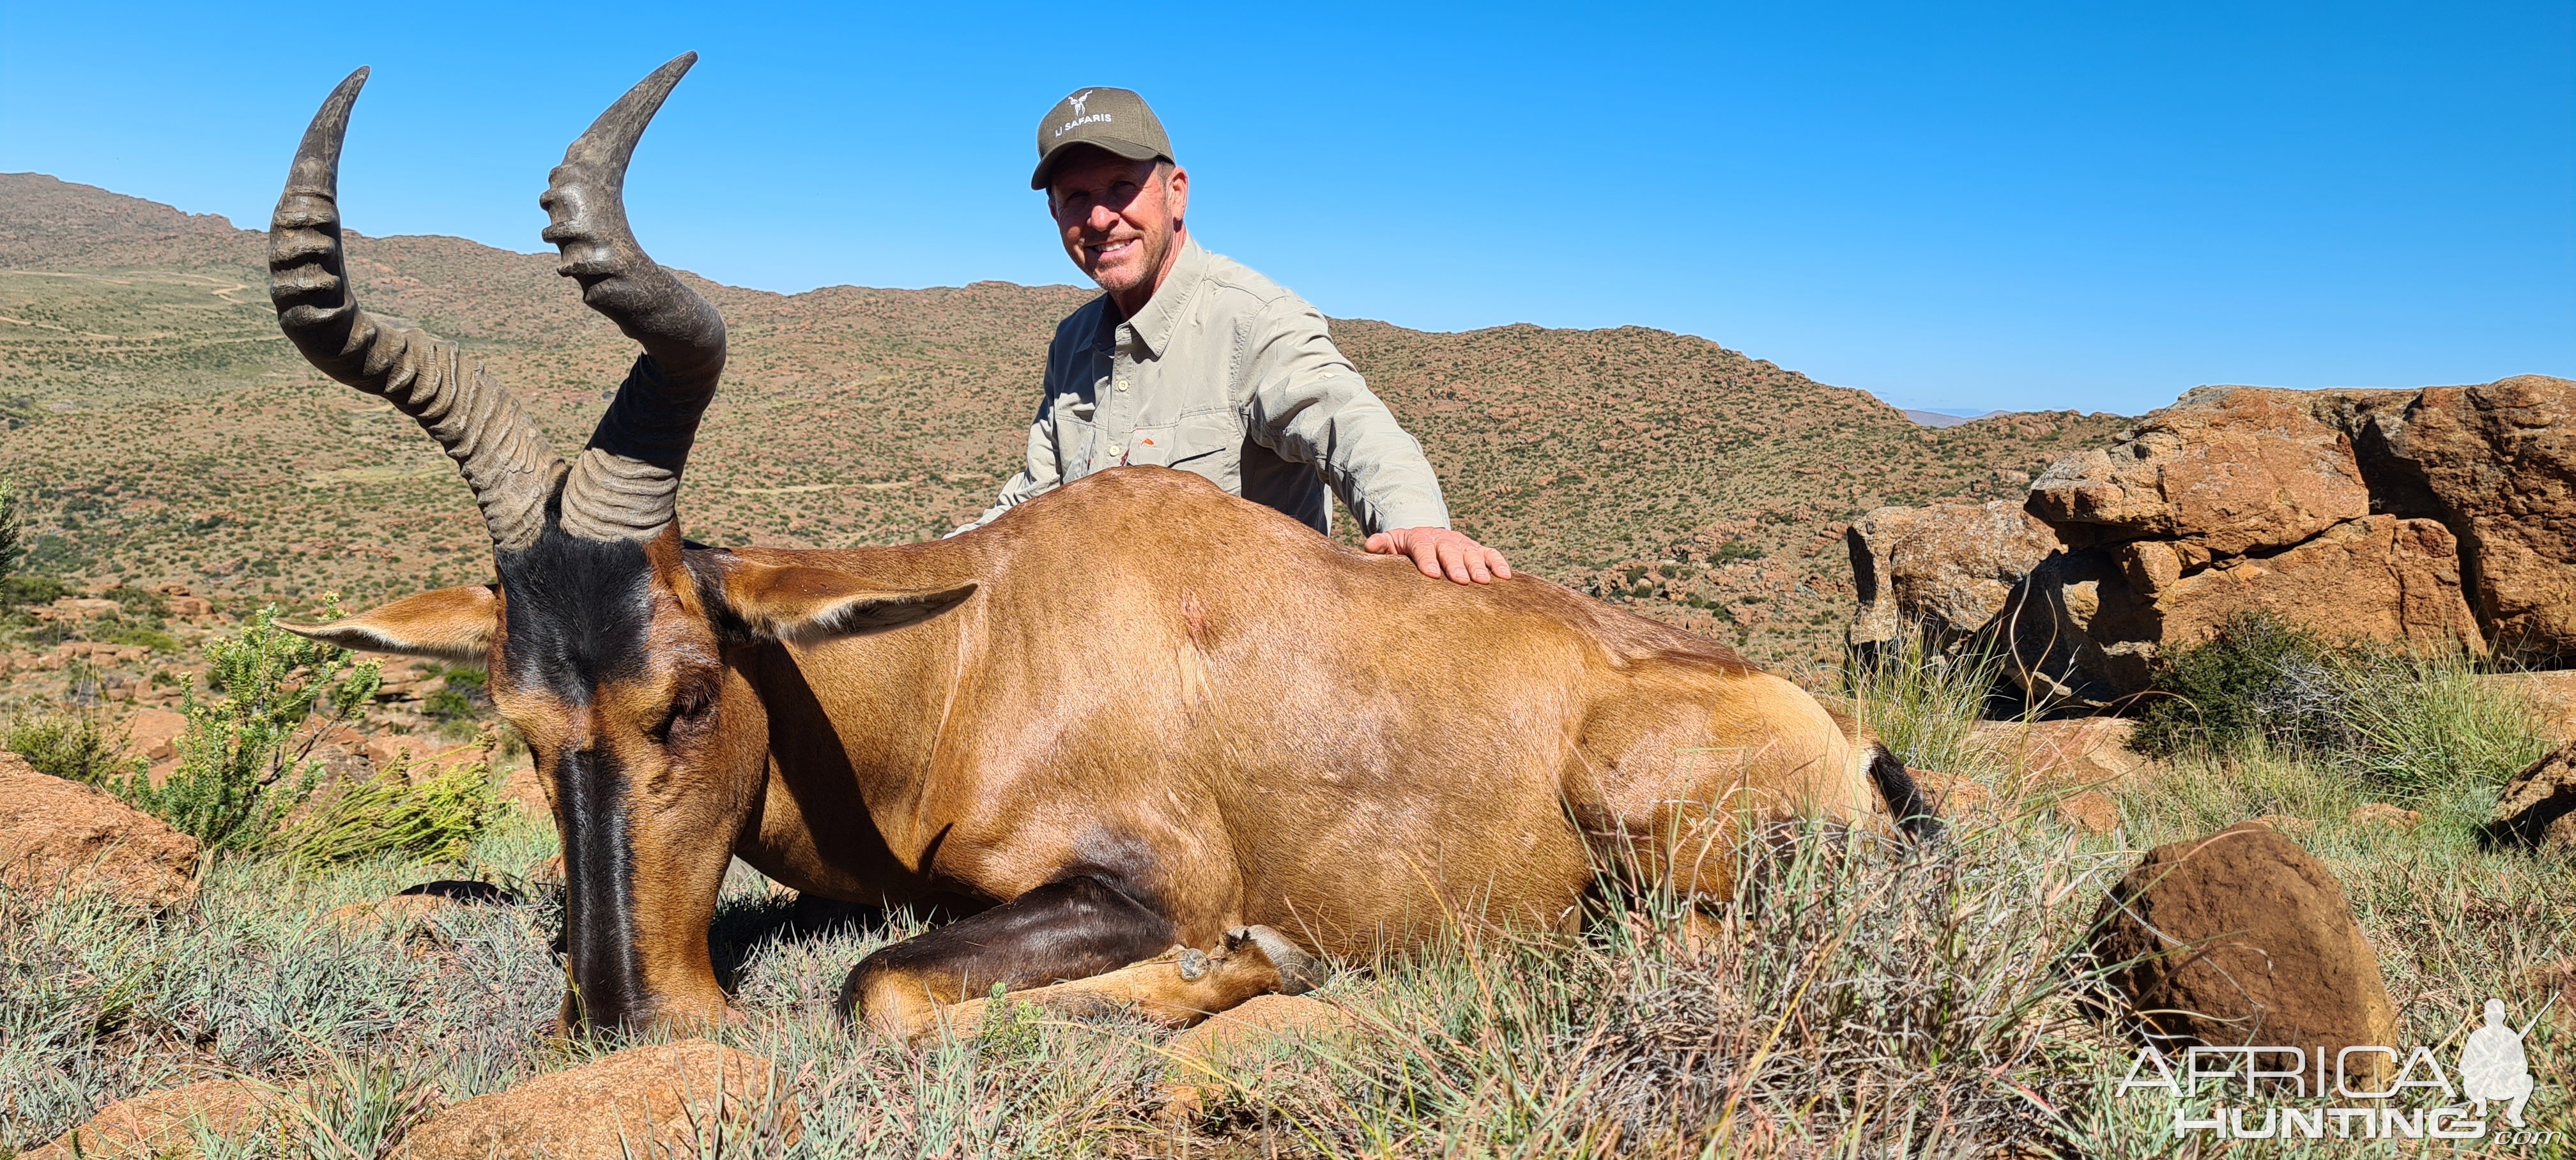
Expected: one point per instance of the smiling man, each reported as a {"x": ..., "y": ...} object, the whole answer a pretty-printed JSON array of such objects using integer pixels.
[{"x": 1190, "y": 360}]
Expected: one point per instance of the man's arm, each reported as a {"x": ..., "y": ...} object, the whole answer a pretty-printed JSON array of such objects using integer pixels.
[{"x": 1311, "y": 406}]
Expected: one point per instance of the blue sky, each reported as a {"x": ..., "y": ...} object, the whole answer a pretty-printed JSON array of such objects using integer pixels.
[{"x": 2059, "y": 205}]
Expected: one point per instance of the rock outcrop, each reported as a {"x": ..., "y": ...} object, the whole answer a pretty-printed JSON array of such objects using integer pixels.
[
  {"x": 2242, "y": 938},
  {"x": 55, "y": 833},
  {"x": 2538, "y": 807},
  {"x": 1947, "y": 569},
  {"x": 2433, "y": 517},
  {"x": 2495, "y": 463},
  {"x": 669, "y": 1098}
]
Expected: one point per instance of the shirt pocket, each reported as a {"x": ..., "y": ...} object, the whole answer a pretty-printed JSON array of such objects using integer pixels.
[
  {"x": 1207, "y": 443},
  {"x": 1075, "y": 436}
]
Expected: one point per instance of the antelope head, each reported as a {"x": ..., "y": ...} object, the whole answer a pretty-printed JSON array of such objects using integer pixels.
[{"x": 606, "y": 637}]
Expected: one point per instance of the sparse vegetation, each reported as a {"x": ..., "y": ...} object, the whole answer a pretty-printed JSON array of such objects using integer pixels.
[
  {"x": 2413, "y": 724},
  {"x": 246, "y": 757},
  {"x": 436, "y": 820},
  {"x": 72, "y": 746}
]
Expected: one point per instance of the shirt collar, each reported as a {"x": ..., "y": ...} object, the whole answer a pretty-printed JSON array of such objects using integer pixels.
[{"x": 1153, "y": 325}]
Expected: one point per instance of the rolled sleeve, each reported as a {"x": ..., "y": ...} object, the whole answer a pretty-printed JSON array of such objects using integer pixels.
[{"x": 1308, "y": 404}]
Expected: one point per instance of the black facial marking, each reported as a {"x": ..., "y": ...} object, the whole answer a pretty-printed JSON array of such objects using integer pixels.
[
  {"x": 578, "y": 611},
  {"x": 706, "y": 568},
  {"x": 599, "y": 895}
]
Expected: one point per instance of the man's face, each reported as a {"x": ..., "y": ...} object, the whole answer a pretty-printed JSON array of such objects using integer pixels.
[{"x": 1119, "y": 218}]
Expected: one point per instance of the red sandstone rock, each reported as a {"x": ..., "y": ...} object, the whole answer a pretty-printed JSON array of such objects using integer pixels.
[
  {"x": 2242, "y": 938},
  {"x": 58, "y": 833},
  {"x": 671, "y": 1098},
  {"x": 166, "y": 1125}
]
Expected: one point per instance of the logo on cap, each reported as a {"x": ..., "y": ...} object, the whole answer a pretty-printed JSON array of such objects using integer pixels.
[{"x": 1077, "y": 99}]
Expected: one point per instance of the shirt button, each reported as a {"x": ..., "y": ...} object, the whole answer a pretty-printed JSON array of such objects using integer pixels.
[
  {"x": 1115, "y": 451},
  {"x": 1122, "y": 384}
]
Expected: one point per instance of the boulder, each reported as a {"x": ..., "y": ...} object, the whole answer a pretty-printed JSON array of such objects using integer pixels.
[
  {"x": 167, "y": 1124},
  {"x": 2497, "y": 464},
  {"x": 56, "y": 833},
  {"x": 2538, "y": 807},
  {"x": 1954, "y": 796},
  {"x": 2242, "y": 938},
  {"x": 1947, "y": 568},
  {"x": 2224, "y": 471},
  {"x": 663, "y": 1099},
  {"x": 153, "y": 734},
  {"x": 2379, "y": 577},
  {"x": 2432, "y": 516}
]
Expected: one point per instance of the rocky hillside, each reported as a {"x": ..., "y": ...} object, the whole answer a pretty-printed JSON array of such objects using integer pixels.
[{"x": 168, "y": 434}]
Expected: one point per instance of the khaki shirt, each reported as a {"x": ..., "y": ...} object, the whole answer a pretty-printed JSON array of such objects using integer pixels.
[{"x": 1226, "y": 375}]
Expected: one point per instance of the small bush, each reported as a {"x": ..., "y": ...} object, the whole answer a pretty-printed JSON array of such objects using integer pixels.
[
  {"x": 72, "y": 747},
  {"x": 436, "y": 820},
  {"x": 2416, "y": 723},
  {"x": 246, "y": 757},
  {"x": 31, "y": 590},
  {"x": 2259, "y": 677}
]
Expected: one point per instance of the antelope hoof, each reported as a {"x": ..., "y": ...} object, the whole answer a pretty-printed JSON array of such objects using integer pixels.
[{"x": 1299, "y": 972}]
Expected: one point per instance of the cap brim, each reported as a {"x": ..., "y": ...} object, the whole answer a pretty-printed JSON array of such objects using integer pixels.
[{"x": 1127, "y": 149}]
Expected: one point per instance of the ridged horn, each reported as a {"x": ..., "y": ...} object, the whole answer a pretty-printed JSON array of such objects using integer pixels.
[
  {"x": 626, "y": 484},
  {"x": 503, "y": 455}
]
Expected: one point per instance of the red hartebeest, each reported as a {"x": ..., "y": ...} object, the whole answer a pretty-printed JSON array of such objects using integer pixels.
[{"x": 1148, "y": 776}]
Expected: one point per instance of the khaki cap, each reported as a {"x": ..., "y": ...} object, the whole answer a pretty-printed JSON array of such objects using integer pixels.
[{"x": 1113, "y": 119}]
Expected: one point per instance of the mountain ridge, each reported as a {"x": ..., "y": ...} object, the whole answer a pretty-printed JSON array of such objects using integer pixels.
[{"x": 171, "y": 433}]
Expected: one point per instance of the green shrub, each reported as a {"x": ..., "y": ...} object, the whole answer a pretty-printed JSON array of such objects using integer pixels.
[
  {"x": 246, "y": 757},
  {"x": 2417, "y": 724},
  {"x": 436, "y": 820},
  {"x": 71, "y": 746},
  {"x": 31, "y": 590},
  {"x": 2258, "y": 678}
]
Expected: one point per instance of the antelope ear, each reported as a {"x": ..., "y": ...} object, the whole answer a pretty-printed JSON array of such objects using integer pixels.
[
  {"x": 450, "y": 624},
  {"x": 803, "y": 605}
]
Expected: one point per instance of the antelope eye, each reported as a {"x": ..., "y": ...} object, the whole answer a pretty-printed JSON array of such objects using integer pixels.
[{"x": 689, "y": 705}]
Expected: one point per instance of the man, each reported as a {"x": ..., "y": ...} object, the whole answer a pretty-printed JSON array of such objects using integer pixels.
[{"x": 1192, "y": 361}]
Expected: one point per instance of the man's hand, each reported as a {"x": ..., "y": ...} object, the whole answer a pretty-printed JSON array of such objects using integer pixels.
[{"x": 1440, "y": 551}]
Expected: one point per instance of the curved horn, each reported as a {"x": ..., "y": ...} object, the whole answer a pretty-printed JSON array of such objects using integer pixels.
[
  {"x": 626, "y": 483},
  {"x": 503, "y": 455}
]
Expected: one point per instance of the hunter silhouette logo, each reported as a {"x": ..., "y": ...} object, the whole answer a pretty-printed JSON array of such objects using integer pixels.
[
  {"x": 2492, "y": 1066},
  {"x": 2260, "y": 1090}
]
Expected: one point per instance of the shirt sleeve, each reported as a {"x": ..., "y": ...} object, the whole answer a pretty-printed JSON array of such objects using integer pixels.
[
  {"x": 1307, "y": 403},
  {"x": 1040, "y": 474}
]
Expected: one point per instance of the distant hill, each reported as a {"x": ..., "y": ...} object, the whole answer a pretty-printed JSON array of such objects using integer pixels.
[
  {"x": 1944, "y": 418},
  {"x": 167, "y": 431}
]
